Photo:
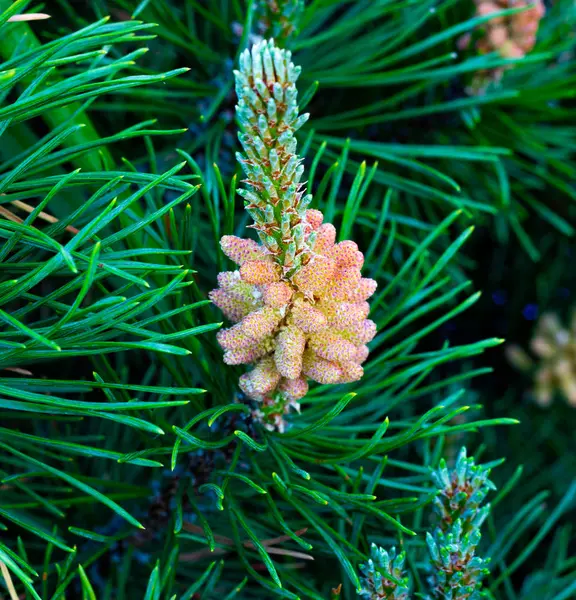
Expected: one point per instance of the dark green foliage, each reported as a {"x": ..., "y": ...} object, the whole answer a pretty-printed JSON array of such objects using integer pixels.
[{"x": 117, "y": 180}]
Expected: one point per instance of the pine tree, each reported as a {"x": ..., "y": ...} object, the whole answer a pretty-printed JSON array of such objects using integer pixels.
[{"x": 241, "y": 252}]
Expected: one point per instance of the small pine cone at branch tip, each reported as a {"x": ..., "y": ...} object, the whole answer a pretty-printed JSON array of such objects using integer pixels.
[
  {"x": 456, "y": 572},
  {"x": 298, "y": 300},
  {"x": 274, "y": 191},
  {"x": 460, "y": 492},
  {"x": 511, "y": 36}
]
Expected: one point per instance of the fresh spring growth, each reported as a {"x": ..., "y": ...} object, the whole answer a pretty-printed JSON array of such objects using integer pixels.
[
  {"x": 298, "y": 299},
  {"x": 511, "y": 36},
  {"x": 461, "y": 491},
  {"x": 457, "y": 572},
  {"x": 555, "y": 369},
  {"x": 279, "y": 19},
  {"x": 274, "y": 193},
  {"x": 383, "y": 576}
]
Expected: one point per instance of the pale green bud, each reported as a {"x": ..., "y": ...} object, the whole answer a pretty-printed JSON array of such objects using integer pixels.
[
  {"x": 250, "y": 196},
  {"x": 278, "y": 92},
  {"x": 272, "y": 110},
  {"x": 246, "y": 63},
  {"x": 285, "y": 224},
  {"x": 300, "y": 121},
  {"x": 268, "y": 66},
  {"x": 298, "y": 234},
  {"x": 298, "y": 173},
  {"x": 305, "y": 202},
  {"x": 269, "y": 214},
  {"x": 262, "y": 89},
  {"x": 279, "y": 65},
  {"x": 311, "y": 241},
  {"x": 263, "y": 126},
  {"x": 260, "y": 147},
  {"x": 274, "y": 160},
  {"x": 257, "y": 71},
  {"x": 290, "y": 166}
]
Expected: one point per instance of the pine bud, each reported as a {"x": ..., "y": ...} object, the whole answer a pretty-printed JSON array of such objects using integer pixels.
[
  {"x": 383, "y": 576},
  {"x": 268, "y": 140},
  {"x": 461, "y": 491},
  {"x": 455, "y": 570}
]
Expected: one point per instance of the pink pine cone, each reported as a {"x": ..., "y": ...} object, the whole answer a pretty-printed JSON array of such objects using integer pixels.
[
  {"x": 259, "y": 272},
  {"x": 310, "y": 325},
  {"x": 240, "y": 250},
  {"x": 512, "y": 36}
]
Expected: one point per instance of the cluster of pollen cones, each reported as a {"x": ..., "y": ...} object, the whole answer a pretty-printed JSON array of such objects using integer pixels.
[
  {"x": 555, "y": 369},
  {"x": 511, "y": 36},
  {"x": 309, "y": 325}
]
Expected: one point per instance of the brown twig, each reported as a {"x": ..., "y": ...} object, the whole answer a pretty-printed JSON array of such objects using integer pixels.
[
  {"x": 43, "y": 215},
  {"x": 283, "y": 552},
  {"x": 196, "y": 529},
  {"x": 225, "y": 541},
  {"x": 29, "y": 17},
  {"x": 19, "y": 371},
  {"x": 10, "y": 215},
  {"x": 192, "y": 557},
  {"x": 8, "y": 580}
]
